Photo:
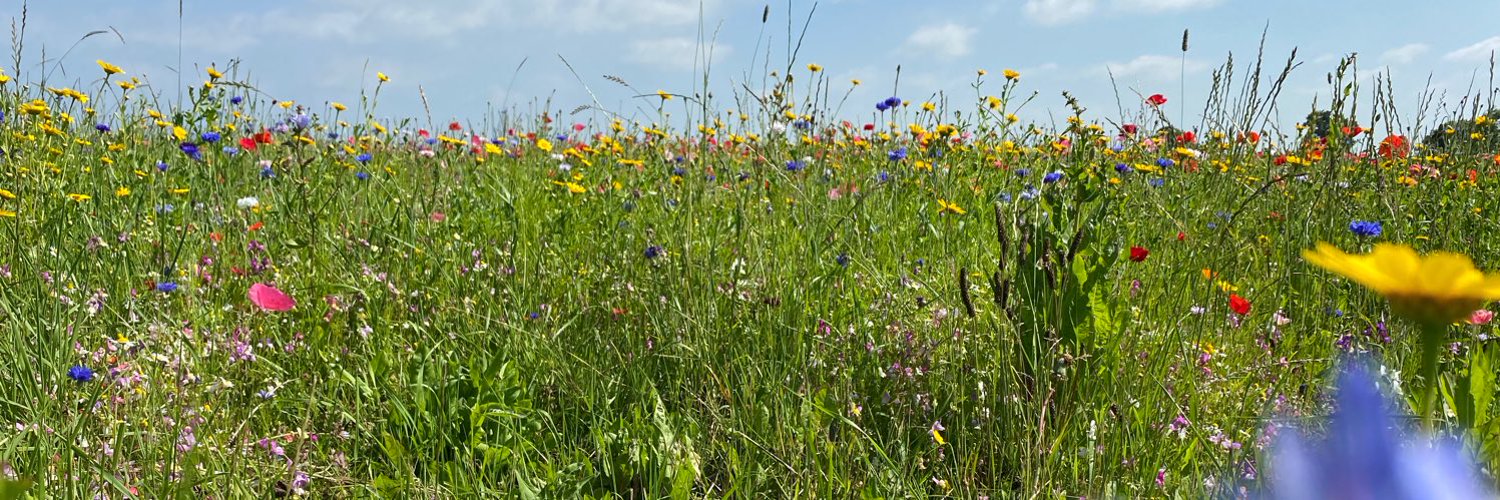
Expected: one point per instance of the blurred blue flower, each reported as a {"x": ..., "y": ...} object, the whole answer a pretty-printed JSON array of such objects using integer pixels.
[
  {"x": 1122, "y": 168},
  {"x": 301, "y": 120},
  {"x": 267, "y": 173},
  {"x": 362, "y": 175},
  {"x": 102, "y": 127},
  {"x": 161, "y": 166},
  {"x": 80, "y": 373},
  {"x": 191, "y": 150},
  {"x": 1365, "y": 228},
  {"x": 1165, "y": 162},
  {"x": 231, "y": 150},
  {"x": 654, "y": 251},
  {"x": 211, "y": 136},
  {"x": 364, "y": 158},
  {"x": 236, "y": 100},
  {"x": 795, "y": 165},
  {"x": 1052, "y": 177},
  {"x": 166, "y": 287},
  {"x": 892, "y": 101},
  {"x": 883, "y": 176},
  {"x": 1157, "y": 182},
  {"x": 842, "y": 259},
  {"x": 897, "y": 155},
  {"x": 1023, "y": 172},
  {"x": 1367, "y": 455}
]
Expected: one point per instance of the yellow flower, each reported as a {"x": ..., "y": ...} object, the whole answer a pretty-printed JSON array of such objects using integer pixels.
[
  {"x": 945, "y": 206},
  {"x": 214, "y": 73},
  {"x": 573, "y": 187},
  {"x": 928, "y": 106},
  {"x": 938, "y": 437},
  {"x": 286, "y": 104},
  {"x": 122, "y": 192},
  {"x": 180, "y": 133},
  {"x": 109, "y": 69},
  {"x": 855, "y": 82},
  {"x": 1011, "y": 74},
  {"x": 544, "y": 145},
  {"x": 1439, "y": 288},
  {"x": 664, "y": 95},
  {"x": 180, "y": 191},
  {"x": 814, "y": 68},
  {"x": 339, "y": 106},
  {"x": 381, "y": 76},
  {"x": 7, "y": 194},
  {"x": 6, "y": 213},
  {"x": 79, "y": 197}
]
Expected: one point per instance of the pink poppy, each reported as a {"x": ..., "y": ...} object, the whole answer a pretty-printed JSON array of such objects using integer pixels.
[
  {"x": 269, "y": 298},
  {"x": 1481, "y": 317}
]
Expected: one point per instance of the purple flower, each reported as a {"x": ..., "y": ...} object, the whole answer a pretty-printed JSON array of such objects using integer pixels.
[
  {"x": 1122, "y": 168},
  {"x": 211, "y": 136},
  {"x": 897, "y": 155},
  {"x": 795, "y": 165},
  {"x": 1052, "y": 177},
  {"x": 301, "y": 121},
  {"x": 1366, "y": 228},
  {"x": 362, "y": 175},
  {"x": 364, "y": 158},
  {"x": 1367, "y": 455},
  {"x": 236, "y": 100},
  {"x": 654, "y": 251},
  {"x": 102, "y": 127},
  {"x": 166, "y": 287},
  {"x": 191, "y": 150}
]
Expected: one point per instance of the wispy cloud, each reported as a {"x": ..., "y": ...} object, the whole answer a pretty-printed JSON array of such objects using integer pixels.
[
  {"x": 946, "y": 40},
  {"x": 1154, "y": 67},
  {"x": 1404, "y": 54},
  {"x": 1053, "y": 12},
  {"x": 1479, "y": 51},
  {"x": 1164, "y": 5},
  {"x": 678, "y": 53}
]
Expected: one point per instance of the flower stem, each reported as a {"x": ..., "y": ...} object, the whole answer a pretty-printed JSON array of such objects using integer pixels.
[{"x": 1431, "y": 345}]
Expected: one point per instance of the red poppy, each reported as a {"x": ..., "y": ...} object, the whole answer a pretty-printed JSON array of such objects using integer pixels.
[
  {"x": 1280, "y": 160},
  {"x": 1473, "y": 176},
  {"x": 869, "y": 126},
  {"x": 1395, "y": 146},
  {"x": 1129, "y": 128},
  {"x": 1352, "y": 131},
  {"x": 454, "y": 126},
  {"x": 1156, "y": 100},
  {"x": 1188, "y": 136},
  {"x": 264, "y": 137},
  {"x": 1181, "y": 236},
  {"x": 1253, "y": 137},
  {"x": 1138, "y": 254},
  {"x": 257, "y": 225},
  {"x": 1238, "y": 304},
  {"x": 248, "y": 144}
]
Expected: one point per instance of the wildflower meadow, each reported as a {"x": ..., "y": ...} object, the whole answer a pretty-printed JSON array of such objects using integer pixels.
[{"x": 770, "y": 293}]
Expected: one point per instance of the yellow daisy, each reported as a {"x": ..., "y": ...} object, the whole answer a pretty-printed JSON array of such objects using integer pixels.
[{"x": 1438, "y": 288}]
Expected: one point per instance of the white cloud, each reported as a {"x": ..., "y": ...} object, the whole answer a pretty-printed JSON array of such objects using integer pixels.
[
  {"x": 1153, "y": 67},
  {"x": 947, "y": 40},
  {"x": 1479, "y": 51},
  {"x": 678, "y": 53},
  {"x": 1164, "y": 5},
  {"x": 1404, "y": 54},
  {"x": 1058, "y": 11}
]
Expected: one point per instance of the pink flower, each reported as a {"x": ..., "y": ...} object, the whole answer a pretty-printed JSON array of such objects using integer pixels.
[
  {"x": 269, "y": 298},
  {"x": 1481, "y": 317}
]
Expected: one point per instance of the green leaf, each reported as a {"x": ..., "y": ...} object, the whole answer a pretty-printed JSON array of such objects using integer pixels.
[{"x": 13, "y": 489}]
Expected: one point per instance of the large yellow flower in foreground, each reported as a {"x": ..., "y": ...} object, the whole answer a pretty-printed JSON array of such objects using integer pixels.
[{"x": 1438, "y": 288}]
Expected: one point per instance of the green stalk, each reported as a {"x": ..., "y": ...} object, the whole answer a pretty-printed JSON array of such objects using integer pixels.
[{"x": 1431, "y": 345}]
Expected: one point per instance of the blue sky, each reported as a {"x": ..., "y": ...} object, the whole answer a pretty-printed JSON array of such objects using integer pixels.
[{"x": 464, "y": 53}]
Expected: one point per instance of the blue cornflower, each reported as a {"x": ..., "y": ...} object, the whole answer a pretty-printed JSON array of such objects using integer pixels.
[
  {"x": 165, "y": 209},
  {"x": 211, "y": 136},
  {"x": 166, "y": 287},
  {"x": 898, "y": 154},
  {"x": 1030, "y": 193},
  {"x": 1122, "y": 168},
  {"x": 1023, "y": 172},
  {"x": 1157, "y": 182},
  {"x": 364, "y": 158},
  {"x": 1165, "y": 162},
  {"x": 795, "y": 165},
  {"x": 267, "y": 173},
  {"x": 1052, "y": 177},
  {"x": 884, "y": 176},
  {"x": 892, "y": 101},
  {"x": 654, "y": 251},
  {"x": 102, "y": 127},
  {"x": 301, "y": 120},
  {"x": 679, "y": 171},
  {"x": 231, "y": 150},
  {"x": 802, "y": 124},
  {"x": 236, "y": 100},
  {"x": 1365, "y": 228},
  {"x": 191, "y": 150},
  {"x": 431, "y": 141},
  {"x": 1005, "y": 197},
  {"x": 80, "y": 373},
  {"x": 562, "y": 137},
  {"x": 333, "y": 135},
  {"x": 880, "y": 106},
  {"x": 1366, "y": 454},
  {"x": 362, "y": 175},
  {"x": 842, "y": 259},
  {"x": 744, "y": 176}
]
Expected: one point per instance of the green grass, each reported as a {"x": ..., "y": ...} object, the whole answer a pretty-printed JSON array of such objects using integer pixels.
[{"x": 468, "y": 327}]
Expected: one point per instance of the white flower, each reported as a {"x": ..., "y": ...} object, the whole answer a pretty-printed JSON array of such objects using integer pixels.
[{"x": 248, "y": 202}]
